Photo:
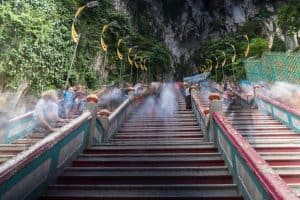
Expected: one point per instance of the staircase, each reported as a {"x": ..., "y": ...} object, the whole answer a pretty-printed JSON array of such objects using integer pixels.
[
  {"x": 276, "y": 143},
  {"x": 9, "y": 151},
  {"x": 152, "y": 157}
]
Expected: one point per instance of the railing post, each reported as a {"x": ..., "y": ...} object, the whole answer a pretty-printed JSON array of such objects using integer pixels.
[
  {"x": 206, "y": 125},
  {"x": 256, "y": 90},
  {"x": 215, "y": 105},
  {"x": 104, "y": 114},
  {"x": 92, "y": 107},
  {"x": 131, "y": 92}
]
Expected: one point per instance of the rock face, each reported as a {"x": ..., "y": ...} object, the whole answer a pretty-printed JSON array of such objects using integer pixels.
[{"x": 184, "y": 23}]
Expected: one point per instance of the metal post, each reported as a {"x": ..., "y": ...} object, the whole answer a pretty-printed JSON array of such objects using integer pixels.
[
  {"x": 215, "y": 105},
  {"x": 72, "y": 62}
]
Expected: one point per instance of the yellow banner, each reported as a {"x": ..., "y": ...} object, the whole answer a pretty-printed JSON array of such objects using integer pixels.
[
  {"x": 248, "y": 46},
  {"x": 120, "y": 55},
  {"x": 75, "y": 36},
  {"x": 105, "y": 27},
  {"x": 79, "y": 10},
  {"x": 224, "y": 61},
  {"x": 234, "y": 53},
  {"x": 128, "y": 56},
  {"x": 145, "y": 68},
  {"x": 217, "y": 61},
  {"x": 135, "y": 63},
  {"x": 74, "y": 33},
  {"x": 103, "y": 45}
]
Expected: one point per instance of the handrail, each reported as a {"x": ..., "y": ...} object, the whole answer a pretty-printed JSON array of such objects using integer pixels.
[
  {"x": 112, "y": 123},
  {"x": 279, "y": 105},
  {"x": 254, "y": 177},
  {"x": 273, "y": 184},
  {"x": 12, "y": 166},
  {"x": 116, "y": 119},
  {"x": 17, "y": 127},
  {"x": 280, "y": 111},
  {"x": 119, "y": 109},
  {"x": 18, "y": 118}
]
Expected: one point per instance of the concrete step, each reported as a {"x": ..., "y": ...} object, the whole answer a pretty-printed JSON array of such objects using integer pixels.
[
  {"x": 209, "y": 148},
  {"x": 147, "y": 162},
  {"x": 274, "y": 140},
  {"x": 146, "y": 157},
  {"x": 295, "y": 188},
  {"x": 142, "y": 120},
  {"x": 255, "y": 122},
  {"x": 159, "y": 129},
  {"x": 157, "y": 142},
  {"x": 159, "y": 124},
  {"x": 145, "y": 192},
  {"x": 174, "y": 133},
  {"x": 143, "y": 171},
  {"x": 156, "y": 136}
]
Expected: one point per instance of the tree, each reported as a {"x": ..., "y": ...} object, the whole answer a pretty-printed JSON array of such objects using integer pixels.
[
  {"x": 258, "y": 46},
  {"x": 278, "y": 44},
  {"x": 289, "y": 17}
]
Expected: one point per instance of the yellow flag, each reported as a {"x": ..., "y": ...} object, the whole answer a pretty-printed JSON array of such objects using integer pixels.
[
  {"x": 128, "y": 56},
  {"x": 103, "y": 45},
  {"x": 105, "y": 27},
  {"x": 217, "y": 61},
  {"x": 75, "y": 36},
  {"x": 135, "y": 63},
  {"x": 120, "y": 55},
  {"x": 224, "y": 61},
  {"x": 234, "y": 53},
  {"x": 74, "y": 33},
  {"x": 79, "y": 10},
  {"x": 248, "y": 46}
]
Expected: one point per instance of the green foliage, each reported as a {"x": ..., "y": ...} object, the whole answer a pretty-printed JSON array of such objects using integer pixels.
[
  {"x": 278, "y": 45},
  {"x": 33, "y": 43},
  {"x": 258, "y": 46},
  {"x": 212, "y": 48},
  {"x": 159, "y": 60},
  {"x": 36, "y": 45},
  {"x": 289, "y": 17}
]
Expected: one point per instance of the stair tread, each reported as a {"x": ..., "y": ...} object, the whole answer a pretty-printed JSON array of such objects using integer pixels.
[{"x": 141, "y": 191}]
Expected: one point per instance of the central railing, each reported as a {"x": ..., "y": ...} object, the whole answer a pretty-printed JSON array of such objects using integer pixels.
[{"x": 255, "y": 178}]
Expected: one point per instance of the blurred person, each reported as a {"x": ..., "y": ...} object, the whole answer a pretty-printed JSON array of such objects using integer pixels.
[
  {"x": 188, "y": 97},
  {"x": 46, "y": 112},
  {"x": 67, "y": 103},
  {"x": 79, "y": 103},
  {"x": 3, "y": 113}
]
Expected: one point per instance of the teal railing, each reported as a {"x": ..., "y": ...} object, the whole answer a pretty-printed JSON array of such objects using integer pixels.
[
  {"x": 254, "y": 177},
  {"x": 289, "y": 116},
  {"x": 27, "y": 174},
  {"x": 17, "y": 128}
]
